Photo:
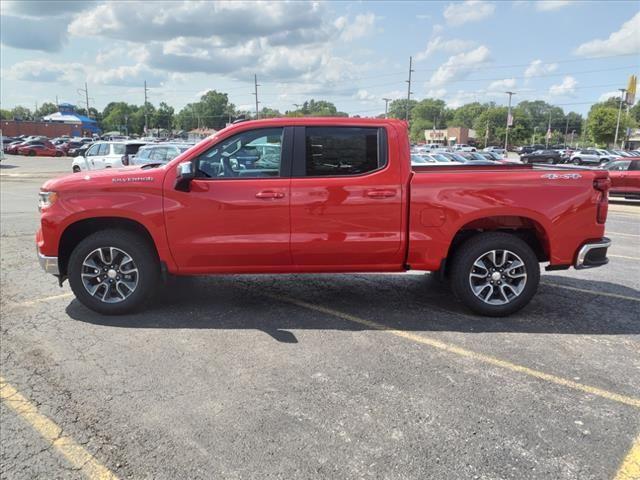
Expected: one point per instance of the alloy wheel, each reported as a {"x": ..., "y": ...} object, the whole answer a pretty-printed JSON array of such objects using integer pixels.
[
  {"x": 109, "y": 274},
  {"x": 498, "y": 277}
]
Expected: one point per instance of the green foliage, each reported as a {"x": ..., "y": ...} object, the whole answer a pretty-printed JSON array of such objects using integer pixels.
[
  {"x": 602, "y": 120},
  {"x": 5, "y": 114},
  {"x": 269, "y": 113},
  {"x": 212, "y": 111},
  {"x": 317, "y": 108},
  {"x": 398, "y": 108},
  {"x": 21, "y": 113},
  {"x": 465, "y": 115},
  {"x": 47, "y": 108}
]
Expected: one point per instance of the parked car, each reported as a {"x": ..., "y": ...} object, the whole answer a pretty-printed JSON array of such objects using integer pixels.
[
  {"x": 79, "y": 151},
  {"x": 106, "y": 155},
  {"x": 159, "y": 153},
  {"x": 591, "y": 156},
  {"x": 625, "y": 177},
  {"x": 12, "y": 148},
  {"x": 349, "y": 201},
  {"x": 499, "y": 150},
  {"x": 463, "y": 147},
  {"x": 41, "y": 149},
  {"x": 70, "y": 146},
  {"x": 541, "y": 156},
  {"x": 529, "y": 149}
]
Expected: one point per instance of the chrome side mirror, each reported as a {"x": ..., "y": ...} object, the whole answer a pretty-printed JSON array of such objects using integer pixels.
[{"x": 184, "y": 174}]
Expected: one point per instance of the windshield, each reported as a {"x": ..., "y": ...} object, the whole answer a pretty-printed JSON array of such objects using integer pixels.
[{"x": 439, "y": 158}]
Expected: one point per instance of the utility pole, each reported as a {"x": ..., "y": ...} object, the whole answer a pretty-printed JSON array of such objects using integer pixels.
[
  {"x": 386, "y": 107},
  {"x": 506, "y": 135},
  {"x": 622, "y": 92},
  {"x": 548, "y": 131},
  {"x": 255, "y": 92},
  {"x": 85, "y": 91},
  {"x": 409, "y": 92},
  {"x": 486, "y": 136},
  {"x": 566, "y": 129},
  {"x": 146, "y": 118},
  {"x": 56, "y": 100}
]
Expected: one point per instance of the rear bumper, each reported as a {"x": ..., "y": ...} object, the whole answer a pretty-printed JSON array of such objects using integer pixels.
[{"x": 593, "y": 254}]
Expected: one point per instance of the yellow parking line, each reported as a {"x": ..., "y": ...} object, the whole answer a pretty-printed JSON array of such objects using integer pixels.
[
  {"x": 594, "y": 292},
  {"x": 630, "y": 468},
  {"x": 43, "y": 299},
  {"x": 73, "y": 452},
  {"x": 463, "y": 352},
  {"x": 624, "y": 256},
  {"x": 623, "y": 234}
]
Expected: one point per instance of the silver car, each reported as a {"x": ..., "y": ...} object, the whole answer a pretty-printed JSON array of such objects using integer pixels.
[
  {"x": 592, "y": 156},
  {"x": 159, "y": 153}
]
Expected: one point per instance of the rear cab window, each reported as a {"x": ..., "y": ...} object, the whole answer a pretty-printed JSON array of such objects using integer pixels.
[{"x": 339, "y": 151}]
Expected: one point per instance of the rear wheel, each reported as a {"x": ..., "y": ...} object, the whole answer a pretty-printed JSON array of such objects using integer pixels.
[
  {"x": 113, "y": 272},
  {"x": 32, "y": 153},
  {"x": 550, "y": 160},
  {"x": 495, "y": 274},
  {"x": 576, "y": 161},
  {"x": 58, "y": 154},
  {"x": 76, "y": 169}
]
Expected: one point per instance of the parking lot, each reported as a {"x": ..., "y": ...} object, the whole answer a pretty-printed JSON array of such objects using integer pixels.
[{"x": 338, "y": 376}]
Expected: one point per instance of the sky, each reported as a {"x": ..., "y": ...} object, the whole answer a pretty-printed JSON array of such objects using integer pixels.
[{"x": 354, "y": 54}]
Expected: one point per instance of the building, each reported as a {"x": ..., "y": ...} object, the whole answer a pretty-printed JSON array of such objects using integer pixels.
[
  {"x": 66, "y": 114},
  {"x": 450, "y": 136}
]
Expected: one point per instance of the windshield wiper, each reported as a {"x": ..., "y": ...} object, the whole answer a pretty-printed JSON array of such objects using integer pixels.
[{"x": 151, "y": 165}]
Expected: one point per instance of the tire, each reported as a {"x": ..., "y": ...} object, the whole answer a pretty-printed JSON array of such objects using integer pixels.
[
  {"x": 518, "y": 289},
  {"x": 550, "y": 160},
  {"x": 576, "y": 161},
  {"x": 32, "y": 153},
  {"x": 76, "y": 169},
  {"x": 58, "y": 154},
  {"x": 126, "y": 292}
]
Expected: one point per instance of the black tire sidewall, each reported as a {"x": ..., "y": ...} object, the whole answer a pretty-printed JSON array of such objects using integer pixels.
[
  {"x": 473, "y": 248},
  {"x": 142, "y": 254}
]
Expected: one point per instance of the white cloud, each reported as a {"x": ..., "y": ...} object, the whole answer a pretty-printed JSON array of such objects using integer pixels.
[
  {"x": 468, "y": 11},
  {"x": 128, "y": 76},
  {"x": 438, "y": 44},
  {"x": 362, "y": 25},
  {"x": 502, "y": 85},
  {"x": 565, "y": 89},
  {"x": 548, "y": 5},
  {"x": 608, "y": 95},
  {"x": 624, "y": 41},
  {"x": 436, "y": 92},
  {"x": 537, "y": 68},
  {"x": 45, "y": 71},
  {"x": 460, "y": 98},
  {"x": 365, "y": 96},
  {"x": 459, "y": 66}
]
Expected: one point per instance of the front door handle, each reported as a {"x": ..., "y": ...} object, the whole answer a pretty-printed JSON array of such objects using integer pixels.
[
  {"x": 380, "y": 193},
  {"x": 269, "y": 194}
]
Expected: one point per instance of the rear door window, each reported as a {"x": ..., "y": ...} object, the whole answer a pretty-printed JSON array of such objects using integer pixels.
[{"x": 339, "y": 151}]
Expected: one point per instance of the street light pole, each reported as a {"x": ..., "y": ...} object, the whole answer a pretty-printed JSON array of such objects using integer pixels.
[
  {"x": 506, "y": 135},
  {"x": 622, "y": 91}
]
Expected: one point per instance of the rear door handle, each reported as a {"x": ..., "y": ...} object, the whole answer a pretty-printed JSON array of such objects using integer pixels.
[
  {"x": 268, "y": 194},
  {"x": 380, "y": 193}
]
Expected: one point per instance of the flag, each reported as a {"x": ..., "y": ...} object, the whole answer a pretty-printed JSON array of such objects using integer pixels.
[
  {"x": 510, "y": 120},
  {"x": 631, "y": 90},
  {"x": 549, "y": 134}
]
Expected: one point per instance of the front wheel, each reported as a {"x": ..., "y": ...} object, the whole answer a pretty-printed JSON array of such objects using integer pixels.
[
  {"x": 113, "y": 272},
  {"x": 576, "y": 161},
  {"x": 32, "y": 153},
  {"x": 495, "y": 274}
]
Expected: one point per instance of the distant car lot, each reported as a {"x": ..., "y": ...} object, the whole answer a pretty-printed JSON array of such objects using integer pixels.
[{"x": 341, "y": 376}]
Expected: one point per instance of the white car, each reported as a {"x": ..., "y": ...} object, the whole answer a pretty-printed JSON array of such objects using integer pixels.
[
  {"x": 107, "y": 155},
  {"x": 463, "y": 147},
  {"x": 592, "y": 156}
]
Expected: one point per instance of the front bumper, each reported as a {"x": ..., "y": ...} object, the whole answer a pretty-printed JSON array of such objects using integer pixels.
[
  {"x": 48, "y": 264},
  {"x": 593, "y": 254}
]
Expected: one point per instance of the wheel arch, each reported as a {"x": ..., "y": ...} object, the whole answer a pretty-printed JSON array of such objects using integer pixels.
[
  {"x": 528, "y": 229},
  {"x": 79, "y": 230}
]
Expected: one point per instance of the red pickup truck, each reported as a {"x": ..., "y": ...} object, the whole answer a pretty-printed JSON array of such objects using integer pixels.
[{"x": 319, "y": 195}]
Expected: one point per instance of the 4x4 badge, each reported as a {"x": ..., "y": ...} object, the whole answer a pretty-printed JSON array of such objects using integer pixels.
[{"x": 564, "y": 176}]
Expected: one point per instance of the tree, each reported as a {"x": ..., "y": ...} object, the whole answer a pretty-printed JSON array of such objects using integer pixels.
[
  {"x": 465, "y": 115},
  {"x": 426, "y": 114},
  {"x": 317, "y": 108},
  {"x": 21, "y": 113},
  {"x": 163, "y": 117},
  {"x": 602, "y": 120},
  {"x": 5, "y": 114},
  {"x": 47, "y": 108},
  {"x": 398, "y": 108},
  {"x": 634, "y": 113},
  {"x": 493, "y": 122},
  {"x": 269, "y": 113}
]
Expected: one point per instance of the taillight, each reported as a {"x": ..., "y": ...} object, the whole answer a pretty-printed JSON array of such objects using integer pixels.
[
  {"x": 125, "y": 159},
  {"x": 602, "y": 185}
]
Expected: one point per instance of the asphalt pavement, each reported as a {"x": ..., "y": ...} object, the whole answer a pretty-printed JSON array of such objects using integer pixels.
[{"x": 316, "y": 376}]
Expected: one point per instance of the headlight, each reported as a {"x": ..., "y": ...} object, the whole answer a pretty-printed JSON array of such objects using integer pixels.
[{"x": 46, "y": 199}]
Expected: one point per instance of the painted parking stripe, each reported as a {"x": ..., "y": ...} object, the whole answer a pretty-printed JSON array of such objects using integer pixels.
[
  {"x": 71, "y": 450},
  {"x": 43, "y": 299},
  {"x": 630, "y": 468},
  {"x": 624, "y": 256},
  {"x": 594, "y": 292},
  {"x": 463, "y": 352},
  {"x": 622, "y": 234}
]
